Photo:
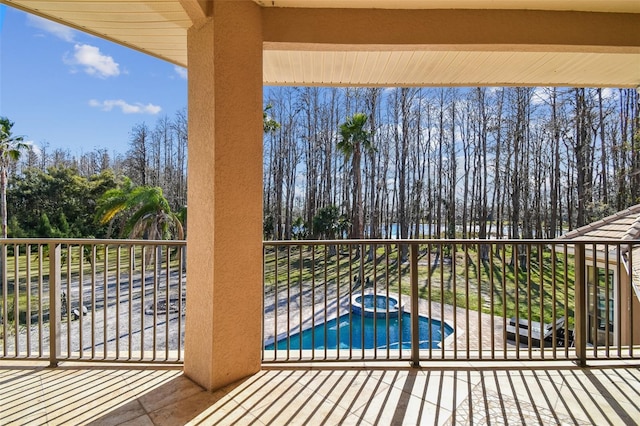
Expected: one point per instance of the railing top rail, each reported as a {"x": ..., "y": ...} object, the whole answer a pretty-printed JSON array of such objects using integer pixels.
[
  {"x": 556, "y": 241},
  {"x": 111, "y": 242}
]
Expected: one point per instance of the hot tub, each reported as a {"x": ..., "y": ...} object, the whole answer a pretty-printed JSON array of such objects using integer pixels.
[{"x": 379, "y": 305}]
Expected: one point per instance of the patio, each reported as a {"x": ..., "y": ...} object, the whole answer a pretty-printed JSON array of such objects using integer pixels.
[{"x": 459, "y": 393}]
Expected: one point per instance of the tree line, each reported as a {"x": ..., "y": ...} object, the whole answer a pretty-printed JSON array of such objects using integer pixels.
[
  {"x": 368, "y": 162},
  {"x": 514, "y": 162},
  {"x": 141, "y": 193}
]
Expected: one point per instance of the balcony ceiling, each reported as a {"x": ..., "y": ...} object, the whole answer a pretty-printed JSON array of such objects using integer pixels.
[{"x": 395, "y": 42}]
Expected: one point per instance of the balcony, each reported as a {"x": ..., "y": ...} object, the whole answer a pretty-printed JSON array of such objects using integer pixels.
[{"x": 525, "y": 317}]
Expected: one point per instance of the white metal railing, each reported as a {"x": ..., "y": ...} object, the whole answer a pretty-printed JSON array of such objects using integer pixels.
[
  {"x": 94, "y": 300},
  {"x": 458, "y": 300}
]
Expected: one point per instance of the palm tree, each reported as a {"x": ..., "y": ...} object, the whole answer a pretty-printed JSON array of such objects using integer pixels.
[
  {"x": 113, "y": 203},
  {"x": 11, "y": 147},
  {"x": 144, "y": 213},
  {"x": 148, "y": 214},
  {"x": 355, "y": 140}
]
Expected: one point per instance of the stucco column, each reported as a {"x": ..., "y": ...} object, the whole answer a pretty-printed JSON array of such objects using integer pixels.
[{"x": 224, "y": 256}]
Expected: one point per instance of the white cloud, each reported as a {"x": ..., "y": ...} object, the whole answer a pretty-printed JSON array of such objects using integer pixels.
[
  {"x": 609, "y": 93},
  {"x": 33, "y": 147},
  {"x": 182, "y": 72},
  {"x": 58, "y": 30},
  {"x": 125, "y": 107},
  {"x": 541, "y": 96},
  {"x": 93, "y": 61}
]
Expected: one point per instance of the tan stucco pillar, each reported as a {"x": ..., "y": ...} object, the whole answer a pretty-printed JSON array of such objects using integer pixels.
[{"x": 224, "y": 256}]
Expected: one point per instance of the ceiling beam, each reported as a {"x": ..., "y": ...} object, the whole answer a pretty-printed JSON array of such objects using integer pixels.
[
  {"x": 480, "y": 30},
  {"x": 198, "y": 10}
]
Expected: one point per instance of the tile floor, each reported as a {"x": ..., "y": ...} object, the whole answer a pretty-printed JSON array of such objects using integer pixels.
[{"x": 467, "y": 393}]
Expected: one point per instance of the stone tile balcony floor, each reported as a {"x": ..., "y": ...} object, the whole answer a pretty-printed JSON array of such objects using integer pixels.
[{"x": 513, "y": 393}]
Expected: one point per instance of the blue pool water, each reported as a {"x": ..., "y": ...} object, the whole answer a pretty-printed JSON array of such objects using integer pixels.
[{"x": 342, "y": 334}]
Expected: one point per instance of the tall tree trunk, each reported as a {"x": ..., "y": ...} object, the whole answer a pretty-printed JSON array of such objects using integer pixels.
[{"x": 604, "y": 186}]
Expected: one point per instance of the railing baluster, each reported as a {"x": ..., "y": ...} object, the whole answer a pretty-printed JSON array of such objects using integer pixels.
[
  {"x": 300, "y": 291},
  {"x": 468, "y": 304},
  {"x": 16, "y": 299},
  {"x": 580, "y": 288},
  {"x": 54, "y": 303},
  {"x": 68, "y": 300},
  {"x": 372, "y": 250},
  {"x": 400, "y": 319},
  {"x": 182, "y": 249},
  {"x": 489, "y": 252},
  {"x": 132, "y": 257},
  {"x": 480, "y": 297},
  {"x": 105, "y": 302},
  {"x": 592, "y": 303},
  {"x": 81, "y": 299},
  {"x": 93, "y": 300},
  {"x": 276, "y": 301},
  {"x": 607, "y": 300},
  {"x": 618, "y": 292},
  {"x": 429, "y": 297},
  {"x": 387, "y": 275},
  {"x": 289, "y": 303},
  {"x": 156, "y": 259},
  {"x": 516, "y": 277},
  {"x": 5, "y": 297},
  {"x": 374, "y": 260},
  {"x": 467, "y": 297},
  {"x": 117, "y": 301},
  {"x": 351, "y": 280},
  {"x": 415, "y": 330},
  {"x": 554, "y": 304},
  {"x": 543, "y": 331},
  {"x": 529, "y": 303},
  {"x": 505, "y": 319},
  {"x": 326, "y": 285},
  {"x": 40, "y": 299},
  {"x": 633, "y": 299},
  {"x": 632, "y": 302},
  {"x": 441, "y": 266},
  {"x": 313, "y": 300},
  {"x": 28, "y": 294},
  {"x": 167, "y": 298},
  {"x": 143, "y": 291},
  {"x": 566, "y": 297}
]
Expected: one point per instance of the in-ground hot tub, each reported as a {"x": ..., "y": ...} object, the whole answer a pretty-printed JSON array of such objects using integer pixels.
[{"x": 379, "y": 305}]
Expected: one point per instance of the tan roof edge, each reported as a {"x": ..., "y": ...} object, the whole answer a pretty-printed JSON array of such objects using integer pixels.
[
  {"x": 86, "y": 30},
  {"x": 634, "y": 230},
  {"x": 595, "y": 225}
]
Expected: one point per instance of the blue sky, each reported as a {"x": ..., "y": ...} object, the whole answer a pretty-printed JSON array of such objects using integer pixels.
[{"x": 77, "y": 92}]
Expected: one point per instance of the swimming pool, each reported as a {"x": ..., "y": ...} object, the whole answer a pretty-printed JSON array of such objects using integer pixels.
[{"x": 342, "y": 333}]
